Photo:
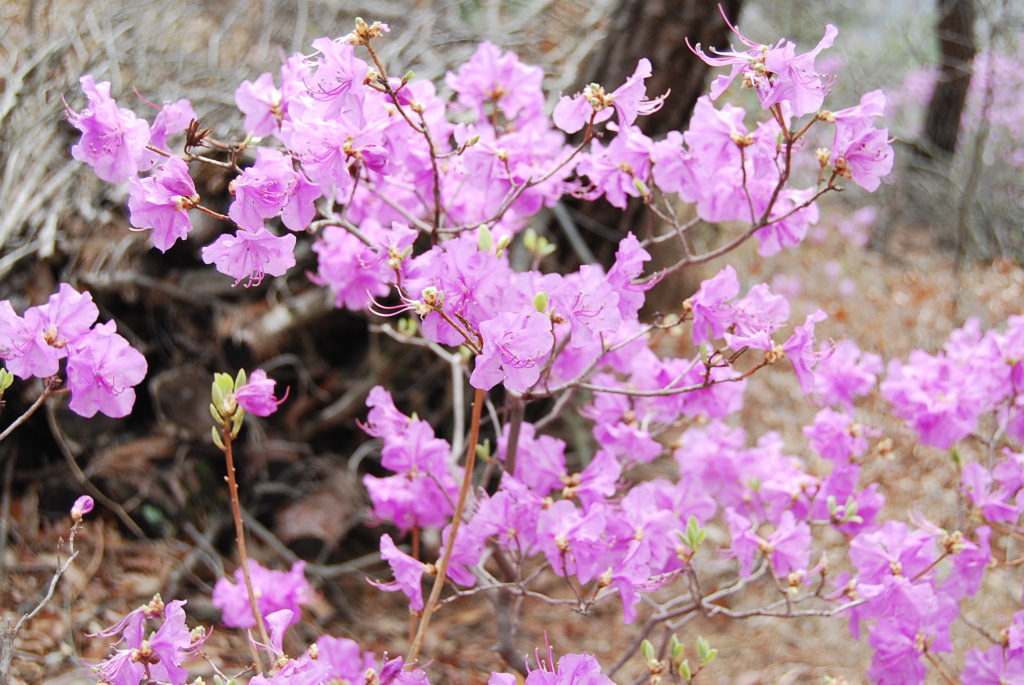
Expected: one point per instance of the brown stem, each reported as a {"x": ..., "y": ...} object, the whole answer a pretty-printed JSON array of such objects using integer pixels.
[
  {"x": 460, "y": 505},
  {"x": 216, "y": 215},
  {"x": 939, "y": 668},
  {"x": 243, "y": 556},
  {"x": 517, "y": 406},
  {"x": 50, "y": 386}
]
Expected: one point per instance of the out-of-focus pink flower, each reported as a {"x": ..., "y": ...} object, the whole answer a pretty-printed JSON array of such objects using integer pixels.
[
  {"x": 260, "y": 102},
  {"x": 275, "y": 590},
  {"x": 407, "y": 570}
]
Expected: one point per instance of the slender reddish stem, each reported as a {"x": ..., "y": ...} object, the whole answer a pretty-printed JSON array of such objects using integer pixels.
[
  {"x": 460, "y": 505},
  {"x": 243, "y": 555}
]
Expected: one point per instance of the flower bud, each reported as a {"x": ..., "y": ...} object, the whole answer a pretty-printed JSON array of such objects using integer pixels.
[{"x": 82, "y": 506}]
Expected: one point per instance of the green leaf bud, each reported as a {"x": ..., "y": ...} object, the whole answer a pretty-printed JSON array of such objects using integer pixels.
[
  {"x": 540, "y": 301},
  {"x": 484, "y": 238},
  {"x": 684, "y": 670},
  {"x": 6, "y": 378},
  {"x": 647, "y": 650}
]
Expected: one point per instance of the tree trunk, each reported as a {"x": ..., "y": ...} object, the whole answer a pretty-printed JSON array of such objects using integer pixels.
[
  {"x": 955, "y": 31},
  {"x": 657, "y": 30},
  {"x": 927, "y": 193}
]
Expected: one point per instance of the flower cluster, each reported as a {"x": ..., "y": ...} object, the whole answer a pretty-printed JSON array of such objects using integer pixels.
[
  {"x": 156, "y": 657},
  {"x": 467, "y": 175},
  {"x": 102, "y": 367}
]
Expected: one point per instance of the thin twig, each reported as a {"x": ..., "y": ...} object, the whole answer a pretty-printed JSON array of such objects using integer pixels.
[
  {"x": 240, "y": 540},
  {"x": 442, "y": 567}
]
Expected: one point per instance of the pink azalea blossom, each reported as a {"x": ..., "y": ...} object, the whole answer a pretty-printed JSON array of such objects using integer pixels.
[
  {"x": 251, "y": 255},
  {"x": 113, "y": 140},
  {"x": 800, "y": 350},
  {"x": 777, "y": 73},
  {"x": 159, "y": 656},
  {"x": 161, "y": 202},
  {"x": 33, "y": 345},
  {"x": 174, "y": 117},
  {"x": 270, "y": 187},
  {"x": 628, "y": 100},
  {"x": 260, "y": 102},
  {"x": 860, "y": 151},
  {"x": 997, "y": 665},
  {"x": 257, "y": 396},
  {"x": 103, "y": 370},
  {"x": 408, "y": 573},
  {"x": 515, "y": 347},
  {"x": 337, "y": 85},
  {"x": 495, "y": 81}
]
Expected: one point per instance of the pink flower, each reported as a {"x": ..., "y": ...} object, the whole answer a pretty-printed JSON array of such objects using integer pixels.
[
  {"x": 347, "y": 661},
  {"x": 777, "y": 73},
  {"x": 788, "y": 546},
  {"x": 712, "y": 315},
  {"x": 161, "y": 202},
  {"x": 33, "y": 345},
  {"x": 156, "y": 658},
  {"x": 260, "y": 102},
  {"x": 275, "y": 590},
  {"x": 614, "y": 169},
  {"x": 492, "y": 80},
  {"x": 270, "y": 187},
  {"x": 407, "y": 570},
  {"x": 515, "y": 347},
  {"x": 860, "y": 151},
  {"x": 103, "y": 370},
  {"x": 800, "y": 350},
  {"x": 629, "y": 101},
  {"x": 995, "y": 666},
  {"x": 353, "y": 270},
  {"x": 257, "y": 396},
  {"x": 337, "y": 86},
  {"x": 251, "y": 255},
  {"x": 113, "y": 140},
  {"x": 174, "y": 117}
]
